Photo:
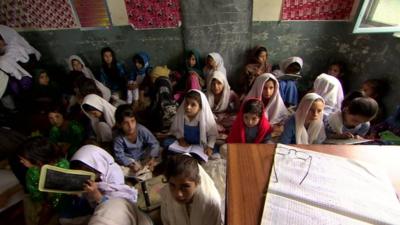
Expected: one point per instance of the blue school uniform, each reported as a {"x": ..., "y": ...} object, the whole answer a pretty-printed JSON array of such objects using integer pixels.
[
  {"x": 125, "y": 151},
  {"x": 114, "y": 83},
  {"x": 289, "y": 133},
  {"x": 289, "y": 92}
]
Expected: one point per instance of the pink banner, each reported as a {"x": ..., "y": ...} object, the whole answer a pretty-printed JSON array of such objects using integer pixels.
[
  {"x": 36, "y": 14},
  {"x": 317, "y": 9},
  {"x": 152, "y": 14}
]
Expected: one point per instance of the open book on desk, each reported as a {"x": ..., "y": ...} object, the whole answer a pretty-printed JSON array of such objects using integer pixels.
[
  {"x": 308, "y": 187},
  {"x": 192, "y": 149}
]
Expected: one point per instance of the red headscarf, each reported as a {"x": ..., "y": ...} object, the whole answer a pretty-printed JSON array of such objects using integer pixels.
[{"x": 238, "y": 135}]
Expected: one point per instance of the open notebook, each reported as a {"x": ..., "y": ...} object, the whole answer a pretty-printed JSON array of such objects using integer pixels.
[
  {"x": 192, "y": 149},
  {"x": 307, "y": 187}
]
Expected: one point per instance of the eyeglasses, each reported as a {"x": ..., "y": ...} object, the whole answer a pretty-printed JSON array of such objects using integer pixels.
[{"x": 300, "y": 155}]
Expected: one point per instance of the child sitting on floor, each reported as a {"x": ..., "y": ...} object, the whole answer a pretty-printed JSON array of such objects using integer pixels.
[
  {"x": 194, "y": 123},
  {"x": 306, "y": 126},
  {"x": 353, "y": 120},
  {"x": 190, "y": 196},
  {"x": 251, "y": 124},
  {"x": 135, "y": 147}
]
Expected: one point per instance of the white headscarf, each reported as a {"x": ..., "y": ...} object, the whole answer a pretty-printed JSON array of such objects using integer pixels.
[
  {"x": 112, "y": 182},
  {"x": 205, "y": 208},
  {"x": 208, "y": 126},
  {"x": 226, "y": 93},
  {"x": 88, "y": 73},
  {"x": 118, "y": 211},
  {"x": 219, "y": 61},
  {"x": 275, "y": 109},
  {"x": 330, "y": 88},
  {"x": 17, "y": 49},
  {"x": 284, "y": 64},
  {"x": 315, "y": 133},
  {"x": 105, "y": 91},
  {"x": 103, "y": 106},
  {"x": 3, "y": 82}
]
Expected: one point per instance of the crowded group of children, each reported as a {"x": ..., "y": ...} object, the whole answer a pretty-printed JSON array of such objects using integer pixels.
[{"x": 119, "y": 122}]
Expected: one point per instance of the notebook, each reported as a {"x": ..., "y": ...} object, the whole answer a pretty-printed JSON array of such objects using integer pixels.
[{"x": 192, "y": 149}]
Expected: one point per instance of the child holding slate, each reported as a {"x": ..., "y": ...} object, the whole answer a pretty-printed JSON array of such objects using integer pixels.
[{"x": 35, "y": 153}]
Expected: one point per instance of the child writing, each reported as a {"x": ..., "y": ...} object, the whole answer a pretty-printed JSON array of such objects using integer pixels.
[
  {"x": 257, "y": 64},
  {"x": 251, "y": 124},
  {"x": 331, "y": 90},
  {"x": 388, "y": 131},
  {"x": 135, "y": 146},
  {"x": 194, "y": 123},
  {"x": 223, "y": 101},
  {"x": 67, "y": 134},
  {"x": 266, "y": 88},
  {"x": 35, "y": 153},
  {"x": 214, "y": 62},
  {"x": 141, "y": 69},
  {"x": 190, "y": 196},
  {"x": 306, "y": 126},
  {"x": 112, "y": 72},
  {"x": 101, "y": 114},
  {"x": 353, "y": 120}
]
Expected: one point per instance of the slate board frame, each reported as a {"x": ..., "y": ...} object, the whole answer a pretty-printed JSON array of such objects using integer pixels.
[{"x": 48, "y": 170}]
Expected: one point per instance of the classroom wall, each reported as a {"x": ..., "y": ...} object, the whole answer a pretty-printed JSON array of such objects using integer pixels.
[{"x": 233, "y": 31}]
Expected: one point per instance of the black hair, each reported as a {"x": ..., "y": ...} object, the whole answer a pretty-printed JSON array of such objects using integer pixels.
[
  {"x": 39, "y": 151},
  {"x": 340, "y": 64},
  {"x": 58, "y": 108},
  {"x": 138, "y": 58},
  {"x": 194, "y": 95},
  {"x": 89, "y": 108},
  {"x": 363, "y": 106},
  {"x": 294, "y": 67},
  {"x": 261, "y": 49},
  {"x": 113, "y": 62},
  {"x": 124, "y": 111},
  {"x": 351, "y": 96},
  {"x": 379, "y": 86},
  {"x": 87, "y": 86},
  {"x": 181, "y": 165},
  {"x": 253, "y": 106}
]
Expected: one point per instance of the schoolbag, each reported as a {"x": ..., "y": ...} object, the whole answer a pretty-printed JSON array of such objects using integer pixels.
[{"x": 166, "y": 106}]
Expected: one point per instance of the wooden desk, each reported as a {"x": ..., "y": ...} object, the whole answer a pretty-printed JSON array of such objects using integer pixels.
[{"x": 249, "y": 167}]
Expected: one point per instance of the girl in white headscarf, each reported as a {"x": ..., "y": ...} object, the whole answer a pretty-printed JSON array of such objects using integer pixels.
[
  {"x": 214, "y": 62},
  {"x": 223, "y": 101},
  {"x": 101, "y": 114},
  {"x": 306, "y": 126},
  {"x": 266, "y": 88},
  {"x": 194, "y": 123},
  {"x": 75, "y": 63},
  {"x": 288, "y": 74},
  {"x": 191, "y": 196},
  {"x": 330, "y": 88},
  {"x": 109, "y": 183}
]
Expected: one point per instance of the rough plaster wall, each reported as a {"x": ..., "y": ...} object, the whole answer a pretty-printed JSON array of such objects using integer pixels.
[
  {"x": 165, "y": 46},
  {"x": 367, "y": 55}
]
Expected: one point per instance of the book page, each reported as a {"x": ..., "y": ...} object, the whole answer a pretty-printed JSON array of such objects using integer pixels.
[
  {"x": 199, "y": 150},
  {"x": 343, "y": 187},
  {"x": 175, "y": 147}
]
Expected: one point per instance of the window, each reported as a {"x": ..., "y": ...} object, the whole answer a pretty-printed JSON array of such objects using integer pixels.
[{"x": 378, "y": 16}]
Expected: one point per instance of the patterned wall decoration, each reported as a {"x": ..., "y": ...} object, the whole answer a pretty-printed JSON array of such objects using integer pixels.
[
  {"x": 92, "y": 13},
  {"x": 317, "y": 9},
  {"x": 45, "y": 14},
  {"x": 153, "y": 14}
]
